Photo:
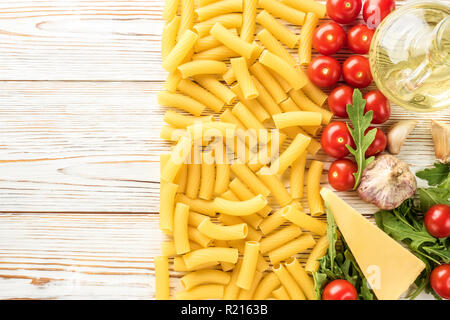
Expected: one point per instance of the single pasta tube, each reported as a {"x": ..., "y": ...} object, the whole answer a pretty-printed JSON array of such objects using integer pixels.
[
  {"x": 314, "y": 93},
  {"x": 203, "y": 277},
  {"x": 179, "y": 120},
  {"x": 288, "y": 282},
  {"x": 220, "y": 53},
  {"x": 199, "y": 67},
  {"x": 220, "y": 232},
  {"x": 265, "y": 99},
  {"x": 172, "y": 80},
  {"x": 250, "y": 179},
  {"x": 281, "y": 294},
  {"x": 308, "y": 6},
  {"x": 193, "y": 180},
  {"x": 306, "y": 34},
  {"x": 233, "y": 42},
  {"x": 202, "y": 292},
  {"x": 269, "y": 283},
  {"x": 240, "y": 208},
  {"x": 279, "y": 238},
  {"x": 162, "y": 278},
  {"x": 282, "y": 11},
  {"x": 252, "y": 234},
  {"x": 181, "y": 102},
  {"x": 239, "y": 66},
  {"x": 275, "y": 185},
  {"x": 248, "y": 19},
  {"x": 196, "y": 92},
  {"x": 297, "y": 118},
  {"x": 232, "y": 290},
  {"x": 218, "y": 8},
  {"x": 198, "y": 237},
  {"x": 195, "y": 218},
  {"x": 248, "y": 267},
  {"x": 295, "y": 150},
  {"x": 272, "y": 222},
  {"x": 315, "y": 201},
  {"x": 198, "y": 205},
  {"x": 181, "y": 50},
  {"x": 180, "y": 266},
  {"x": 248, "y": 294},
  {"x": 305, "y": 104},
  {"x": 304, "y": 221},
  {"x": 268, "y": 81},
  {"x": 170, "y": 9},
  {"x": 169, "y": 36},
  {"x": 280, "y": 32},
  {"x": 207, "y": 180},
  {"x": 275, "y": 47},
  {"x": 303, "y": 279},
  {"x": 297, "y": 177},
  {"x": 253, "y": 105},
  {"x": 177, "y": 157},
  {"x": 166, "y": 207},
  {"x": 222, "y": 172},
  {"x": 291, "y": 248},
  {"x": 180, "y": 229},
  {"x": 243, "y": 193},
  {"x": 231, "y": 20},
  {"x": 319, "y": 250},
  {"x": 216, "y": 87},
  {"x": 187, "y": 16},
  {"x": 205, "y": 255}
]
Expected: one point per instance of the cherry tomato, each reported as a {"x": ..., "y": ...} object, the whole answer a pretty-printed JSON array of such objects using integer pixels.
[
  {"x": 440, "y": 280},
  {"x": 378, "y": 145},
  {"x": 374, "y": 11},
  {"x": 340, "y": 175},
  {"x": 379, "y": 104},
  {"x": 359, "y": 38},
  {"x": 324, "y": 71},
  {"x": 334, "y": 138},
  {"x": 338, "y": 100},
  {"x": 329, "y": 38},
  {"x": 437, "y": 220},
  {"x": 356, "y": 71},
  {"x": 343, "y": 11},
  {"x": 339, "y": 290}
]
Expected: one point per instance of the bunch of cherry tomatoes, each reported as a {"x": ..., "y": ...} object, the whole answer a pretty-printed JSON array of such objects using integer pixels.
[{"x": 325, "y": 71}]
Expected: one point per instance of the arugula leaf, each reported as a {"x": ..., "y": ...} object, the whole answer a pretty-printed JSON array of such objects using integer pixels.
[
  {"x": 431, "y": 196},
  {"x": 436, "y": 175},
  {"x": 360, "y": 123}
]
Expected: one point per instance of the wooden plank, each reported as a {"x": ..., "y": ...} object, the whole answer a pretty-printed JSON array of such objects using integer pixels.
[{"x": 94, "y": 146}]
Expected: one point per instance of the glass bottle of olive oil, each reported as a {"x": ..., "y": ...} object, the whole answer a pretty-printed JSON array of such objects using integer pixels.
[{"x": 410, "y": 56}]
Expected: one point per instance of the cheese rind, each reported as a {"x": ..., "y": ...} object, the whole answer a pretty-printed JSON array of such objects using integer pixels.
[{"x": 388, "y": 267}]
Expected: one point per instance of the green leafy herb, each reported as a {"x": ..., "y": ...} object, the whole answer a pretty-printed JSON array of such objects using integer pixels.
[
  {"x": 405, "y": 224},
  {"x": 339, "y": 263},
  {"x": 360, "y": 123}
]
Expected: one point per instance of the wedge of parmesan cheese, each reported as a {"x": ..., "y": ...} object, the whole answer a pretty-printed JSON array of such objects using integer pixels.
[{"x": 388, "y": 267}]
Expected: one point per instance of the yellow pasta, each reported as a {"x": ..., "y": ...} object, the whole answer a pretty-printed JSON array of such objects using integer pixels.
[
  {"x": 308, "y": 6},
  {"x": 280, "y": 32},
  {"x": 276, "y": 187},
  {"x": 269, "y": 82},
  {"x": 253, "y": 105},
  {"x": 250, "y": 179},
  {"x": 241, "y": 112},
  {"x": 169, "y": 36},
  {"x": 283, "y": 68},
  {"x": 202, "y": 3},
  {"x": 170, "y": 9},
  {"x": 319, "y": 250},
  {"x": 198, "y": 93},
  {"x": 313, "y": 147},
  {"x": 218, "y": 8},
  {"x": 275, "y": 47},
  {"x": 243, "y": 193},
  {"x": 231, "y": 20},
  {"x": 252, "y": 234},
  {"x": 229, "y": 77},
  {"x": 297, "y": 118},
  {"x": 265, "y": 99},
  {"x": 181, "y": 179},
  {"x": 162, "y": 278},
  {"x": 291, "y": 248},
  {"x": 203, "y": 277},
  {"x": 269, "y": 152},
  {"x": 288, "y": 282},
  {"x": 248, "y": 19},
  {"x": 204, "y": 130},
  {"x": 178, "y": 120},
  {"x": 166, "y": 209},
  {"x": 283, "y": 83},
  {"x": 232, "y": 41},
  {"x": 222, "y": 172},
  {"x": 220, "y": 53},
  {"x": 272, "y": 222},
  {"x": 248, "y": 267},
  {"x": 171, "y": 134},
  {"x": 297, "y": 177},
  {"x": 202, "y": 292},
  {"x": 315, "y": 201},
  {"x": 304, "y": 221},
  {"x": 187, "y": 16},
  {"x": 303, "y": 279},
  {"x": 227, "y": 116},
  {"x": 304, "y": 49},
  {"x": 195, "y": 218},
  {"x": 172, "y": 80},
  {"x": 283, "y": 11},
  {"x": 180, "y": 266},
  {"x": 314, "y": 93},
  {"x": 239, "y": 66},
  {"x": 248, "y": 294},
  {"x": 281, "y": 294},
  {"x": 180, "y": 229},
  {"x": 232, "y": 290},
  {"x": 226, "y": 266},
  {"x": 198, "y": 67},
  {"x": 198, "y": 205},
  {"x": 207, "y": 180},
  {"x": 240, "y": 208},
  {"x": 201, "y": 256},
  {"x": 180, "y": 51},
  {"x": 168, "y": 248},
  {"x": 216, "y": 87},
  {"x": 295, "y": 150},
  {"x": 279, "y": 238},
  {"x": 220, "y": 232},
  {"x": 209, "y": 42},
  {"x": 304, "y": 103},
  {"x": 269, "y": 283},
  {"x": 196, "y": 236},
  {"x": 193, "y": 180},
  {"x": 177, "y": 158},
  {"x": 181, "y": 102}
]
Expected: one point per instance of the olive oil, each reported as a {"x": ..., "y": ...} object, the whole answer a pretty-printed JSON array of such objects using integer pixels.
[{"x": 410, "y": 56}]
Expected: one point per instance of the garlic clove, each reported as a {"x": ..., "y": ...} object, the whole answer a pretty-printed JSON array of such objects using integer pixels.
[
  {"x": 398, "y": 133},
  {"x": 441, "y": 138}
]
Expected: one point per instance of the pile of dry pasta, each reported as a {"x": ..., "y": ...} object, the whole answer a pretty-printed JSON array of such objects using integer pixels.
[{"x": 230, "y": 56}]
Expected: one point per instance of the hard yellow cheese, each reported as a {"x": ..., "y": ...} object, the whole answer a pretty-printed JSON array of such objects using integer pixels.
[{"x": 388, "y": 267}]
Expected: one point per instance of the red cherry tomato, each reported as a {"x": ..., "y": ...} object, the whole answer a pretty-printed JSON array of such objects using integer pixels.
[
  {"x": 340, "y": 175},
  {"x": 359, "y": 38},
  {"x": 329, "y": 38},
  {"x": 379, "y": 104},
  {"x": 338, "y": 100},
  {"x": 339, "y": 290},
  {"x": 440, "y": 280},
  {"x": 343, "y": 11},
  {"x": 334, "y": 138},
  {"x": 324, "y": 71},
  {"x": 356, "y": 71},
  {"x": 437, "y": 220},
  {"x": 378, "y": 145},
  {"x": 374, "y": 11}
]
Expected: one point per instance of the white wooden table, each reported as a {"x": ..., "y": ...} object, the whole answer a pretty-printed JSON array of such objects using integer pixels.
[{"x": 79, "y": 148}]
